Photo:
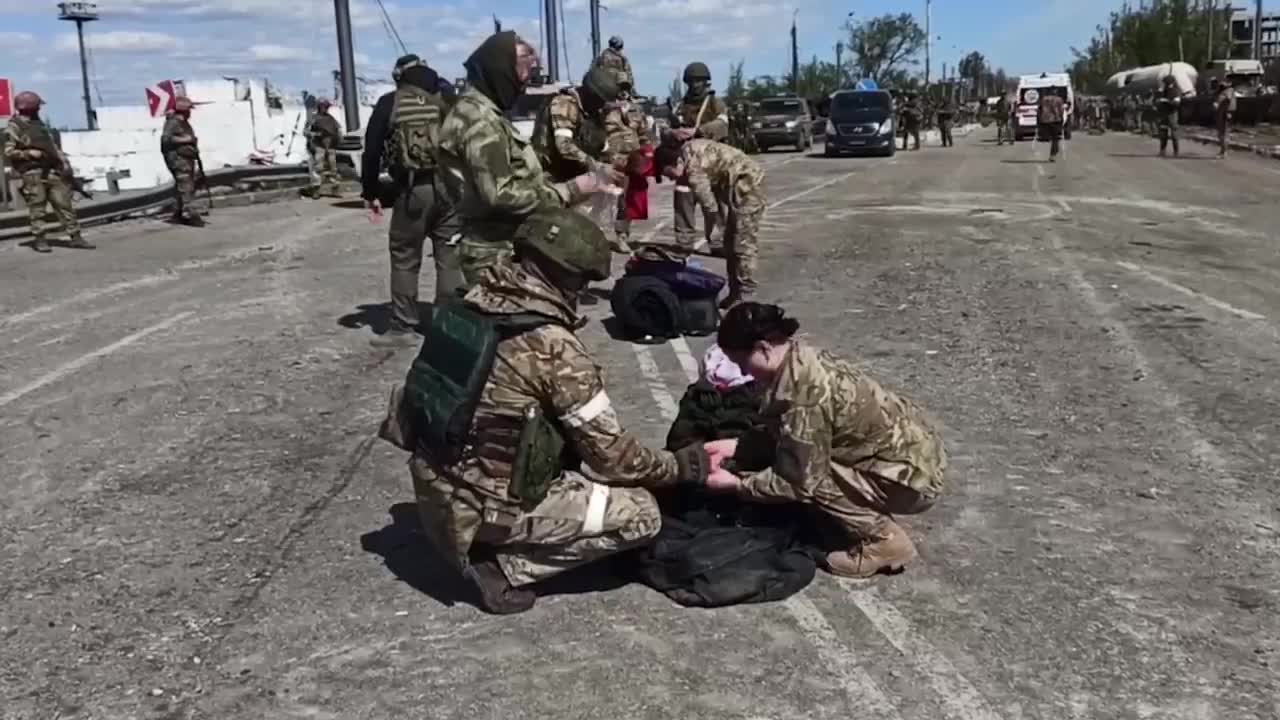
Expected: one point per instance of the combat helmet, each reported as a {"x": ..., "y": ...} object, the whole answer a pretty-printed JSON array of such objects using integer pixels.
[
  {"x": 696, "y": 71},
  {"x": 27, "y": 101},
  {"x": 404, "y": 62},
  {"x": 602, "y": 83},
  {"x": 568, "y": 240},
  {"x": 615, "y": 42}
]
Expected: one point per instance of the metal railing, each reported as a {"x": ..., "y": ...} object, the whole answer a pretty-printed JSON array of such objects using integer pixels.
[{"x": 14, "y": 223}]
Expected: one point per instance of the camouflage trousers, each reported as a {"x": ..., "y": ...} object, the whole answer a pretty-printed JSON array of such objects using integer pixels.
[
  {"x": 184, "y": 184},
  {"x": 41, "y": 188},
  {"x": 324, "y": 161},
  {"x": 742, "y": 236},
  {"x": 421, "y": 212},
  {"x": 684, "y": 221},
  {"x": 1003, "y": 133},
  {"x": 578, "y": 522},
  {"x": 859, "y": 502}
]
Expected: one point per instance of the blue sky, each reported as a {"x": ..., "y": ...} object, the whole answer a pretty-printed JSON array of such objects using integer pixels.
[{"x": 140, "y": 42}]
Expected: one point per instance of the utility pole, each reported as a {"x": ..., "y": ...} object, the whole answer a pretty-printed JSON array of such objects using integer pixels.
[
  {"x": 928, "y": 40},
  {"x": 795, "y": 57},
  {"x": 595, "y": 28},
  {"x": 81, "y": 13},
  {"x": 839, "y": 67},
  {"x": 1257, "y": 30},
  {"x": 347, "y": 65},
  {"x": 553, "y": 42}
]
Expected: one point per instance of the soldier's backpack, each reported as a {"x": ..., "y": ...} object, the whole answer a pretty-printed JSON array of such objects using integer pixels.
[
  {"x": 415, "y": 126},
  {"x": 665, "y": 299}
]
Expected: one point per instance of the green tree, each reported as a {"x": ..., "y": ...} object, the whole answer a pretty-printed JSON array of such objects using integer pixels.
[
  {"x": 885, "y": 48},
  {"x": 737, "y": 87}
]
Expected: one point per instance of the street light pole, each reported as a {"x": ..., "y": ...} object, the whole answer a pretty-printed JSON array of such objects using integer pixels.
[
  {"x": 347, "y": 65},
  {"x": 928, "y": 40}
]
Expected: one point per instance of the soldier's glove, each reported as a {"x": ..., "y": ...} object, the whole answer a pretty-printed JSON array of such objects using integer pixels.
[{"x": 694, "y": 464}]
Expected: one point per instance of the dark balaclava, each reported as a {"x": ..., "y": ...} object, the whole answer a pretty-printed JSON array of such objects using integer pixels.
[
  {"x": 491, "y": 69},
  {"x": 421, "y": 76}
]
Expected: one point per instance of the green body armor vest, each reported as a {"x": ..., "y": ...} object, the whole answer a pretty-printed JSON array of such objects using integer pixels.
[
  {"x": 446, "y": 381},
  {"x": 589, "y": 136},
  {"x": 415, "y": 128}
]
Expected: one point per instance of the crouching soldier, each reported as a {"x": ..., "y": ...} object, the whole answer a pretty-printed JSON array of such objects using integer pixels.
[
  {"x": 722, "y": 174},
  {"x": 502, "y": 409},
  {"x": 848, "y": 448}
]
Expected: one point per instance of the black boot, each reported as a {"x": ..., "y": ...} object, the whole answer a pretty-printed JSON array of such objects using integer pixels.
[{"x": 497, "y": 596}]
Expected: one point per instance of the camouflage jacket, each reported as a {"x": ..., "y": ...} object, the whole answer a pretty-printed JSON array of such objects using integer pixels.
[
  {"x": 548, "y": 366},
  {"x": 325, "y": 131},
  {"x": 176, "y": 126},
  {"x": 624, "y": 125},
  {"x": 720, "y": 173},
  {"x": 614, "y": 61},
  {"x": 568, "y": 142},
  {"x": 715, "y": 119},
  {"x": 490, "y": 173},
  {"x": 30, "y": 133},
  {"x": 841, "y": 420}
]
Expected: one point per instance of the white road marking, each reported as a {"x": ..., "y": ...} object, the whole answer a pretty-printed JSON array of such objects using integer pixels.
[
  {"x": 1066, "y": 206},
  {"x": 958, "y": 697},
  {"x": 84, "y": 360},
  {"x": 653, "y": 377},
  {"x": 1207, "y": 299},
  {"x": 814, "y": 189},
  {"x": 1040, "y": 170},
  {"x": 687, "y": 362}
]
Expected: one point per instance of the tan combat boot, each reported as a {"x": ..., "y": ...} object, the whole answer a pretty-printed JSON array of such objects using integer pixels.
[{"x": 888, "y": 553}]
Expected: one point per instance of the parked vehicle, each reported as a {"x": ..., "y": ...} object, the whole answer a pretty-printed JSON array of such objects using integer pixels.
[
  {"x": 1030, "y": 89},
  {"x": 860, "y": 121},
  {"x": 783, "y": 121}
]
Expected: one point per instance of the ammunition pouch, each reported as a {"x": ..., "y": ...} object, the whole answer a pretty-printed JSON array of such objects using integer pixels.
[{"x": 539, "y": 460}]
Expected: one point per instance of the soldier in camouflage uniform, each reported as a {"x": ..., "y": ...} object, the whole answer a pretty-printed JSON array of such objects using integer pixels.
[
  {"x": 1167, "y": 104},
  {"x": 30, "y": 149},
  {"x": 181, "y": 152},
  {"x": 492, "y": 175},
  {"x": 625, "y": 125},
  {"x": 702, "y": 115},
  {"x": 612, "y": 59},
  {"x": 722, "y": 175},
  {"x": 911, "y": 118},
  {"x": 477, "y": 507},
  {"x": 845, "y": 446},
  {"x": 569, "y": 134},
  {"x": 324, "y": 136}
]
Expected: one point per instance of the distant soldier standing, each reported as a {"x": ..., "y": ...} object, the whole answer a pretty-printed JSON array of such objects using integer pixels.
[
  {"x": 494, "y": 177},
  {"x": 911, "y": 118},
  {"x": 1166, "y": 108},
  {"x": 181, "y": 154},
  {"x": 1002, "y": 119},
  {"x": 626, "y": 127},
  {"x": 1052, "y": 113},
  {"x": 612, "y": 59},
  {"x": 1224, "y": 108},
  {"x": 700, "y": 115},
  {"x": 324, "y": 135},
  {"x": 30, "y": 149},
  {"x": 405, "y": 127},
  {"x": 946, "y": 115},
  {"x": 719, "y": 174}
]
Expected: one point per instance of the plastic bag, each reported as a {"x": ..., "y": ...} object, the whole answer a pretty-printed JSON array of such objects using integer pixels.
[{"x": 602, "y": 207}]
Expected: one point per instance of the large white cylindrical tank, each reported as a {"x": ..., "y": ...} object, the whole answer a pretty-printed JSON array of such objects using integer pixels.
[{"x": 1143, "y": 80}]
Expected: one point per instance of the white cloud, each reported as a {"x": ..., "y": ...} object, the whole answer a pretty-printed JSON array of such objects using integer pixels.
[
  {"x": 16, "y": 38},
  {"x": 119, "y": 41},
  {"x": 279, "y": 53}
]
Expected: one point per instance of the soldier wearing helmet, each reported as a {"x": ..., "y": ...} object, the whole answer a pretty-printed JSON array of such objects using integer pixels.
[
  {"x": 612, "y": 59},
  {"x": 519, "y": 510},
  {"x": 181, "y": 152},
  {"x": 29, "y": 147},
  {"x": 402, "y": 137},
  {"x": 700, "y": 114},
  {"x": 323, "y": 136}
]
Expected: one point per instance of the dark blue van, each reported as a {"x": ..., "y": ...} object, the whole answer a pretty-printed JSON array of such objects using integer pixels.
[{"x": 861, "y": 122}]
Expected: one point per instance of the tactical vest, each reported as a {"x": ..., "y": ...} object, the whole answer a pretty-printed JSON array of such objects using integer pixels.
[
  {"x": 687, "y": 114},
  {"x": 444, "y": 386},
  {"x": 36, "y": 136},
  {"x": 415, "y": 127}
]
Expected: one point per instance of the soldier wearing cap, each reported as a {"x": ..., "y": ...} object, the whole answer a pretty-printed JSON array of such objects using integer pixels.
[
  {"x": 30, "y": 149},
  {"x": 517, "y": 508},
  {"x": 700, "y": 115},
  {"x": 324, "y": 136}
]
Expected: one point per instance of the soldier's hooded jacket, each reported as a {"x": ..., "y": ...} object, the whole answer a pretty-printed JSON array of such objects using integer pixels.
[
  {"x": 491, "y": 173},
  {"x": 550, "y": 367},
  {"x": 839, "y": 420}
]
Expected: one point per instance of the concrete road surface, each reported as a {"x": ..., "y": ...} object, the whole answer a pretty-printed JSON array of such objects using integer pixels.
[{"x": 197, "y": 521}]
